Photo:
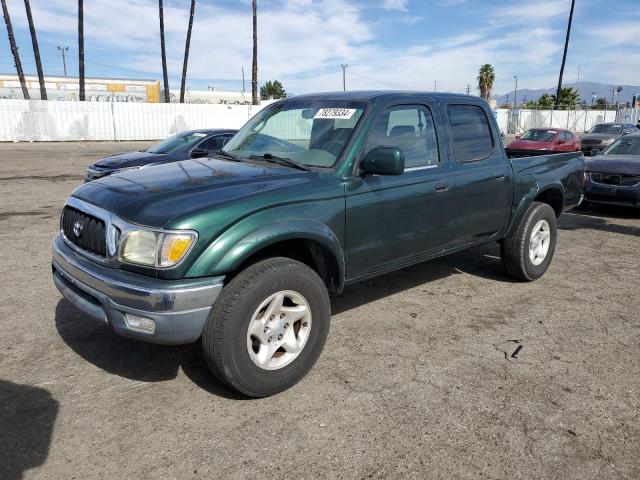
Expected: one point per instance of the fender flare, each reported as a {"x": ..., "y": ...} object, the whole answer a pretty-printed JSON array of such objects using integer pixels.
[
  {"x": 529, "y": 197},
  {"x": 232, "y": 248}
]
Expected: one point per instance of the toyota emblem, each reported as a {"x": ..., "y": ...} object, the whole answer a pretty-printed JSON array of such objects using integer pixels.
[{"x": 77, "y": 228}]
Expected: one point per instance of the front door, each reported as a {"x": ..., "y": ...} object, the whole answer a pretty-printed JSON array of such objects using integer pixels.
[{"x": 393, "y": 219}]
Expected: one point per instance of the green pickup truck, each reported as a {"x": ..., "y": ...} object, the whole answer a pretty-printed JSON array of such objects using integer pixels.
[{"x": 314, "y": 193}]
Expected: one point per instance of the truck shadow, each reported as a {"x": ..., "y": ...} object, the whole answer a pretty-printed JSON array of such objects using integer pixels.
[
  {"x": 27, "y": 417},
  {"x": 147, "y": 362},
  {"x": 133, "y": 359},
  {"x": 483, "y": 261},
  {"x": 599, "y": 218}
]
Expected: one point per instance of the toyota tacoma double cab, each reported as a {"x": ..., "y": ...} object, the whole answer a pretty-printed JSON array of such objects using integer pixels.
[{"x": 241, "y": 249}]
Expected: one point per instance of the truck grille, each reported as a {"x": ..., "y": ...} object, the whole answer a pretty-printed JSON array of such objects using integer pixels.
[
  {"x": 615, "y": 179},
  {"x": 84, "y": 231}
]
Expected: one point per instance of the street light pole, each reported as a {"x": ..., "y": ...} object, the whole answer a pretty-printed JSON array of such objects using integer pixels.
[
  {"x": 63, "y": 50},
  {"x": 515, "y": 93},
  {"x": 344, "y": 76}
]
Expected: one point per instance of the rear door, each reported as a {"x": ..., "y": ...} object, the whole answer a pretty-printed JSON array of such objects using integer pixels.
[
  {"x": 483, "y": 177},
  {"x": 391, "y": 220}
]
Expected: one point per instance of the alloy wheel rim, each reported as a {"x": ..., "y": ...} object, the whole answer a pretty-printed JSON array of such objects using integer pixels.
[
  {"x": 279, "y": 330},
  {"x": 539, "y": 242}
]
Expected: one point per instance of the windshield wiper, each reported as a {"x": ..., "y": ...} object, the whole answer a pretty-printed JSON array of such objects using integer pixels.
[
  {"x": 270, "y": 157},
  {"x": 229, "y": 156}
]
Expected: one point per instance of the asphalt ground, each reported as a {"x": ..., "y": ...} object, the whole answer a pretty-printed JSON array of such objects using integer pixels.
[{"x": 448, "y": 369}]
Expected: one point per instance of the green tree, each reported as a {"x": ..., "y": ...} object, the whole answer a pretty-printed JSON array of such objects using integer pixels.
[
  {"x": 601, "y": 103},
  {"x": 546, "y": 101},
  {"x": 486, "y": 76},
  {"x": 569, "y": 97},
  {"x": 272, "y": 90}
]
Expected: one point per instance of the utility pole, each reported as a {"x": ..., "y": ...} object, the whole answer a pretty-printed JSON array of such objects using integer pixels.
[
  {"x": 435, "y": 85},
  {"x": 515, "y": 93},
  {"x": 344, "y": 76},
  {"x": 468, "y": 89},
  {"x": 63, "y": 51},
  {"x": 243, "y": 90},
  {"x": 564, "y": 55}
]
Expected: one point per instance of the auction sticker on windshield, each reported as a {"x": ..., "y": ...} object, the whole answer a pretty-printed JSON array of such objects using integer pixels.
[{"x": 335, "y": 113}]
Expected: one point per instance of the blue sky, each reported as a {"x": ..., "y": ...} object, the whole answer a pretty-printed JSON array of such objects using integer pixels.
[{"x": 403, "y": 44}]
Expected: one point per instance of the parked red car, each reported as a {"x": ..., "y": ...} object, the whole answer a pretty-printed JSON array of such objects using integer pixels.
[{"x": 546, "y": 139}]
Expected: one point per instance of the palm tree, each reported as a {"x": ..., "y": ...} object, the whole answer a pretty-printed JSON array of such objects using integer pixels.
[
  {"x": 36, "y": 50},
  {"x": 486, "y": 76},
  {"x": 81, "y": 47},
  {"x": 186, "y": 51},
  {"x": 254, "y": 69},
  {"x": 564, "y": 55},
  {"x": 163, "y": 52},
  {"x": 569, "y": 97},
  {"x": 14, "y": 50}
]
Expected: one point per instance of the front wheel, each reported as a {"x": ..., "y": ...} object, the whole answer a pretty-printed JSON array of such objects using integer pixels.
[
  {"x": 267, "y": 327},
  {"x": 527, "y": 252}
]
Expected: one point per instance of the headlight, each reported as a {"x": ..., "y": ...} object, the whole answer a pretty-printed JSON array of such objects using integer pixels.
[
  {"x": 156, "y": 248},
  {"x": 608, "y": 141}
]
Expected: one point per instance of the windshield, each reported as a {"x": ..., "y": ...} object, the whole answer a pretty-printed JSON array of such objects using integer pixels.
[
  {"x": 310, "y": 132},
  {"x": 607, "y": 129},
  {"x": 625, "y": 146},
  {"x": 177, "y": 143},
  {"x": 539, "y": 135}
]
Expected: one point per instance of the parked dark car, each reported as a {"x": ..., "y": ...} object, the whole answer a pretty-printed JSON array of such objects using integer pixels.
[
  {"x": 315, "y": 192},
  {"x": 613, "y": 176},
  {"x": 189, "y": 144},
  {"x": 602, "y": 135},
  {"x": 544, "y": 140}
]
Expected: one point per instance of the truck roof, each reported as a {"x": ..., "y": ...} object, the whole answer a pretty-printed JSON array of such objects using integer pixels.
[{"x": 369, "y": 95}]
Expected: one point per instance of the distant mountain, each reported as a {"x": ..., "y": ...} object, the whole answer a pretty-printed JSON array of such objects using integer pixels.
[{"x": 586, "y": 90}]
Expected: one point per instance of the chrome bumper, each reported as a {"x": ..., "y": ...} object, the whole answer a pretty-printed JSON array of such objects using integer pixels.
[{"x": 179, "y": 308}]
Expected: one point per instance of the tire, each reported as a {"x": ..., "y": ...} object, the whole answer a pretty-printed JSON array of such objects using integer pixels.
[
  {"x": 227, "y": 340},
  {"x": 515, "y": 249}
]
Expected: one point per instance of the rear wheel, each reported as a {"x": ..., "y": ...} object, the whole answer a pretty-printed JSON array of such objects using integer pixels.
[
  {"x": 267, "y": 327},
  {"x": 527, "y": 252}
]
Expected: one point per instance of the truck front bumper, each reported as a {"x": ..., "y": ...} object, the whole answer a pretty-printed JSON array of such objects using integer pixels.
[{"x": 154, "y": 310}]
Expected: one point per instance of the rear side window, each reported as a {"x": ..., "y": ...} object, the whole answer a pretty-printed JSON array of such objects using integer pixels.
[{"x": 471, "y": 135}]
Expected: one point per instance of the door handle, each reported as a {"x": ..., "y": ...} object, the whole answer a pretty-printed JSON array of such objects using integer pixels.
[
  {"x": 499, "y": 178},
  {"x": 442, "y": 187}
]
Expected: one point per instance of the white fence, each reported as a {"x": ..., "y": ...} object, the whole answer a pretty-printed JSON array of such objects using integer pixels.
[
  {"x": 37, "y": 120},
  {"x": 518, "y": 121}
]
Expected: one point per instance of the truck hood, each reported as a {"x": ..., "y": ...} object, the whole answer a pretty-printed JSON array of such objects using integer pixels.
[
  {"x": 128, "y": 159},
  {"x": 618, "y": 164},
  {"x": 155, "y": 196}
]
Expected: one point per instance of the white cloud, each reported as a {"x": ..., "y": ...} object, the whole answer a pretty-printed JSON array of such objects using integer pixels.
[
  {"x": 401, "y": 5},
  {"x": 303, "y": 42}
]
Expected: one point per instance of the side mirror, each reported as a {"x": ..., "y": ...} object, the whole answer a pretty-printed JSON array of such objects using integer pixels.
[
  {"x": 561, "y": 142},
  {"x": 383, "y": 160},
  {"x": 199, "y": 152},
  {"x": 594, "y": 152}
]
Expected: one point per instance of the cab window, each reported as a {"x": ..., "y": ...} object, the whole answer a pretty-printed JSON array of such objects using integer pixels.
[{"x": 409, "y": 128}]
